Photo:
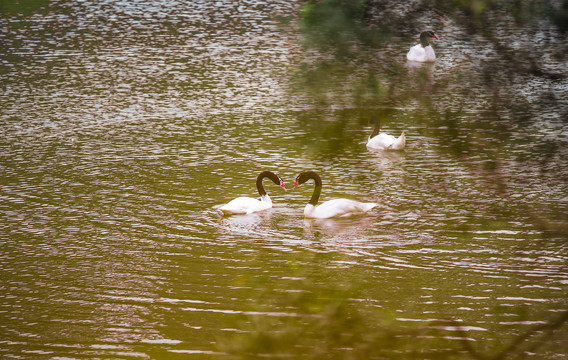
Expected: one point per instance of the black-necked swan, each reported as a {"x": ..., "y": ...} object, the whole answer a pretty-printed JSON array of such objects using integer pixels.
[
  {"x": 331, "y": 208},
  {"x": 382, "y": 141},
  {"x": 423, "y": 52},
  {"x": 248, "y": 205}
]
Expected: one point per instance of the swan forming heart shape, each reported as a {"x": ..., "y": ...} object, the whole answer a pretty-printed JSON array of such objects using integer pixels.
[{"x": 328, "y": 209}]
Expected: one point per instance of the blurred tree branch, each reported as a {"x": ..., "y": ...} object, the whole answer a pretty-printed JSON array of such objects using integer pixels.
[
  {"x": 514, "y": 349},
  {"x": 355, "y": 60}
]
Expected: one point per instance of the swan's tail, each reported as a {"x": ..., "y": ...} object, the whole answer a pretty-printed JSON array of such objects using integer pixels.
[
  {"x": 399, "y": 143},
  {"x": 368, "y": 206}
]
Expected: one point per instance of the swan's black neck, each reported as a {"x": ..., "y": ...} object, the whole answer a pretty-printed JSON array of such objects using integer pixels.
[
  {"x": 307, "y": 175},
  {"x": 376, "y": 128},
  {"x": 315, "y": 196},
  {"x": 269, "y": 174},
  {"x": 425, "y": 38}
]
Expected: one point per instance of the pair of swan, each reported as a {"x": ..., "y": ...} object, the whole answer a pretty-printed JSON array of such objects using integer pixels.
[
  {"x": 328, "y": 209},
  {"x": 423, "y": 52}
]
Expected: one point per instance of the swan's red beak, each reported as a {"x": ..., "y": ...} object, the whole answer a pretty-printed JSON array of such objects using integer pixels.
[
  {"x": 296, "y": 184},
  {"x": 435, "y": 37},
  {"x": 282, "y": 185}
]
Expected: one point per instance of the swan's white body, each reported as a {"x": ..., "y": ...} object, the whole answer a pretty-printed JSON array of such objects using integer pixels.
[
  {"x": 331, "y": 208},
  {"x": 337, "y": 208},
  {"x": 421, "y": 54},
  {"x": 246, "y": 205},
  {"x": 386, "y": 142}
]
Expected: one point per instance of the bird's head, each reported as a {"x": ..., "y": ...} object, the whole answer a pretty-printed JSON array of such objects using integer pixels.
[{"x": 426, "y": 36}]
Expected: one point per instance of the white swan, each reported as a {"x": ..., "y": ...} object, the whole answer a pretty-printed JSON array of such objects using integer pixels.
[
  {"x": 423, "y": 52},
  {"x": 248, "y": 205},
  {"x": 331, "y": 208},
  {"x": 382, "y": 141}
]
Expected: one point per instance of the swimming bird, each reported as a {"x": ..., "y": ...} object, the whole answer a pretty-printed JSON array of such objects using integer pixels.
[
  {"x": 423, "y": 52},
  {"x": 331, "y": 208},
  {"x": 248, "y": 205},
  {"x": 382, "y": 141}
]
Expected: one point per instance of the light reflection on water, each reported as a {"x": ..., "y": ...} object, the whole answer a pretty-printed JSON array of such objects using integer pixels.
[{"x": 115, "y": 150}]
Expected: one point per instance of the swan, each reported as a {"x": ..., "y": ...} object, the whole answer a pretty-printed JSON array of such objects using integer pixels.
[
  {"x": 248, "y": 205},
  {"x": 383, "y": 141},
  {"x": 423, "y": 52},
  {"x": 331, "y": 208}
]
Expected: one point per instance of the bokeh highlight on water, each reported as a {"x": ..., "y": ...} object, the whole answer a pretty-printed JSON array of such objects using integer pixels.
[{"x": 124, "y": 124}]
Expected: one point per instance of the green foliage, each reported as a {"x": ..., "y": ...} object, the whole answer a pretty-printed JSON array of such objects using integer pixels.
[
  {"x": 472, "y": 100},
  {"x": 324, "y": 323},
  {"x": 325, "y": 315},
  {"x": 334, "y": 24},
  {"x": 560, "y": 17},
  {"x": 352, "y": 59}
]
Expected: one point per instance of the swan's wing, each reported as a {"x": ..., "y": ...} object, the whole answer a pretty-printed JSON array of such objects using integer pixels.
[
  {"x": 244, "y": 205},
  {"x": 416, "y": 53},
  {"x": 429, "y": 54},
  {"x": 381, "y": 142},
  {"x": 399, "y": 143},
  {"x": 341, "y": 207}
]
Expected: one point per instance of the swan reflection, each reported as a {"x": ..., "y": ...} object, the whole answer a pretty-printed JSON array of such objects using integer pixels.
[
  {"x": 388, "y": 163},
  {"x": 246, "y": 224}
]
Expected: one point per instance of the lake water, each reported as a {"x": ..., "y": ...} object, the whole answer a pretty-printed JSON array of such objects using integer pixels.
[{"x": 124, "y": 124}]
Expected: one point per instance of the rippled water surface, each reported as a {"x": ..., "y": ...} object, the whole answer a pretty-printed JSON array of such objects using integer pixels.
[{"x": 124, "y": 124}]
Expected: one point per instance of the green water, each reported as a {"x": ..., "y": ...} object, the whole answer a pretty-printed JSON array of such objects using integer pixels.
[{"x": 123, "y": 125}]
